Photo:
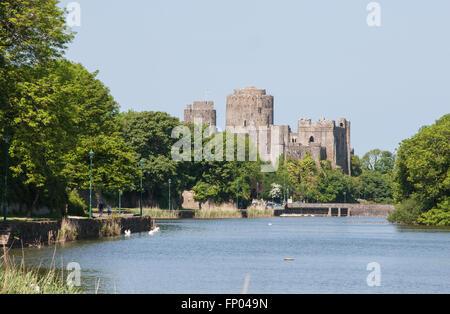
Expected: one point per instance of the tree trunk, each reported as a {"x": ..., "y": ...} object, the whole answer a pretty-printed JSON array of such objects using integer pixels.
[
  {"x": 34, "y": 204},
  {"x": 150, "y": 198}
]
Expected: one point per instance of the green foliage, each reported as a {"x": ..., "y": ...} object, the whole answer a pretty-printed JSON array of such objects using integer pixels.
[
  {"x": 149, "y": 134},
  {"x": 422, "y": 176},
  {"x": 114, "y": 164},
  {"x": 32, "y": 31},
  {"x": 204, "y": 191},
  {"x": 435, "y": 217},
  {"x": 378, "y": 160},
  {"x": 376, "y": 187},
  {"x": 356, "y": 166},
  {"x": 224, "y": 181},
  {"x": 422, "y": 167},
  {"x": 407, "y": 211},
  {"x": 304, "y": 178},
  {"x": 76, "y": 205},
  {"x": 61, "y": 112},
  {"x": 335, "y": 186},
  {"x": 312, "y": 182}
]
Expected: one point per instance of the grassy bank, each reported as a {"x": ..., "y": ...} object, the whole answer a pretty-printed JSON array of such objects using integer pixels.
[
  {"x": 16, "y": 278},
  {"x": 156, "y": 213},
  {"x": 217, "y": 213},
  {"x": 260, "y": 213},
  {"x": 204, "y": 213}
]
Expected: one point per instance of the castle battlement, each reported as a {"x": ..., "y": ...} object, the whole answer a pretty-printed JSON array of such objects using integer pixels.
[
  {"x": 201, "y": 110},
  {"x": 250, "y": 90}
]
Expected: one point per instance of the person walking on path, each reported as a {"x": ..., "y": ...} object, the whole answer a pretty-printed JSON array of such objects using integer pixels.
[
  {"x": 109, "y": 210},
  {"x": 100, "y": 208}
]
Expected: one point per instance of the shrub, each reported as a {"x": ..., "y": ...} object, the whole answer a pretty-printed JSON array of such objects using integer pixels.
[
  {"x": 407, "y": 212},
  {"x": 435, "y": 217},
  {"x": 76, "y": 205}
]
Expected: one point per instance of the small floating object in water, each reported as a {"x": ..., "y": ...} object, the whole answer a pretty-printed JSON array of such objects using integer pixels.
[
  {"x": 288, "y": 259},
  {"x": 153, "y": 231},
  {"x": 269, "y": 224},
  {"x": 128, "y": 233}
]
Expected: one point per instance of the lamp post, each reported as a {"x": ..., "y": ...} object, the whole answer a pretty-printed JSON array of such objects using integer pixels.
[
  {"x": 237, "y": 195},
  {"x": 257, "y": 190},
  {"x": 170, "y": 181},
  {"x": 5, "y": 199},
  {"x": 91, "y": 156},
  {"x": 288, "y": 195},
  {"x": 142, "y": 171},
  {"x": 345, "y": 197},
  {"x": 120, "y": 204}
]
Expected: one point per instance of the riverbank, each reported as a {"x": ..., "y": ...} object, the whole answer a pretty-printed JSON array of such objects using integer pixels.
[
  {"x": 17, "y": 233},
  {"x": 336, "y": 209},
  {"x": 225, "y": 213},
  {"x": 294, "y": 209}
]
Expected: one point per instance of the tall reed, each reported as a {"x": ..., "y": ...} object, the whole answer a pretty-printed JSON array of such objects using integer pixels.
[
  {"x": 110, "y": 228},
  {"x": 16, "y": 278},
  {"x": 217, "y": 213},
  {"x": 157, "y": 213},
  {"x": 260, "y": 213},
  {"x": 68, "y": 231}
]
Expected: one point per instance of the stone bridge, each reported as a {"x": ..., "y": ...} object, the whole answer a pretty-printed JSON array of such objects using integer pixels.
[{"x": 336, "y": 209}]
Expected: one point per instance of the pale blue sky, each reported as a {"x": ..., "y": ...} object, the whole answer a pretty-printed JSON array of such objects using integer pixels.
[{"x": 316, "y": 57}]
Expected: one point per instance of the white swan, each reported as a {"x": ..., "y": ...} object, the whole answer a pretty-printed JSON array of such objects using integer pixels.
[
  {"x": 153, "y": 231},
  {"x": 269, "y": 224},
  {"x": 128, "y": 233}
]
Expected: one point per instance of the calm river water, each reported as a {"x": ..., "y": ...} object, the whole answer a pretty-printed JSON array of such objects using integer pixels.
[{"x": 215, "y": 256}]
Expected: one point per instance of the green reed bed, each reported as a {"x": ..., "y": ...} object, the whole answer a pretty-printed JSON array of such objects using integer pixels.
[
  {"x": 260, "y": 213},
  {"x": 16, "y": 278},
  {"x": 217, "y": 213},
  {"x": 157, "y": 213}
]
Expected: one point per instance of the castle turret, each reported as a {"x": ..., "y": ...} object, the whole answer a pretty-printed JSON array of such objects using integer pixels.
[
  {"x": 249, "y": 106},
  {"x": 201, "y": 111}
]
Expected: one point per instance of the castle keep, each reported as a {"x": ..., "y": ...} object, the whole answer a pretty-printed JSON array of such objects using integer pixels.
[{"x": 250, "y": 109}]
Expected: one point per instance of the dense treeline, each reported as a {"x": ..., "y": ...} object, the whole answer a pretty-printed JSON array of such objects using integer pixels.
[
  {"x": 421, "y": 178},
  {"x": 54, "y": 111},
  {"x": 309, "y": 181}
]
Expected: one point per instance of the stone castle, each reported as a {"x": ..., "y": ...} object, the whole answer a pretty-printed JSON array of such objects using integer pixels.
[{"x": 250, "y": 109}]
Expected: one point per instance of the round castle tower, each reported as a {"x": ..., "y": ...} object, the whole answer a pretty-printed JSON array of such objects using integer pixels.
[{"x": 249, "y": 106}]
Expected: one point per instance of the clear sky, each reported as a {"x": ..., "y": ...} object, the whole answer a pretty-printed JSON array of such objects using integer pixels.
[{"x": 318, "y": 58}]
